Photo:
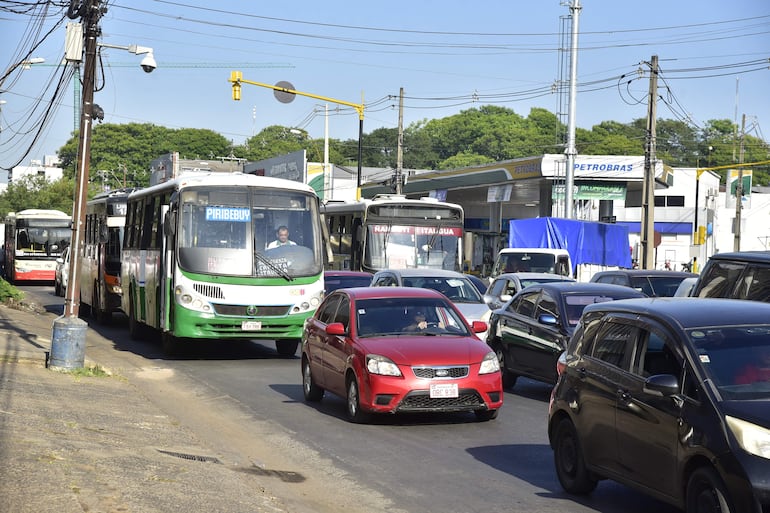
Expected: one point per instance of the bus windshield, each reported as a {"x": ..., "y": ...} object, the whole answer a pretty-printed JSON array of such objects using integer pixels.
[
  {"x": 226, "y": 230},
  {"x": 42, "y": 241},
  {"x": 402, "y": 247}
]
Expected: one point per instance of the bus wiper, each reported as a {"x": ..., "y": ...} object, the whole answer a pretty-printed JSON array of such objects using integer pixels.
[
  {"x": 280, "y": 272},
  {"x": 431, "y": 242}
]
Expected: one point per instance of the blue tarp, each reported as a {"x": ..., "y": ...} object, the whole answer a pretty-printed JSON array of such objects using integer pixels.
[{"x": 587, "y": 242}]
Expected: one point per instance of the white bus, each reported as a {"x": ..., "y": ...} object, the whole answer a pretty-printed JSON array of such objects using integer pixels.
[
  {"x": 100, "y": 289},
  {"x": 196, "y": 265},
  {"x": 34, "y": 239},
  {"x": 393, "y": 232}
]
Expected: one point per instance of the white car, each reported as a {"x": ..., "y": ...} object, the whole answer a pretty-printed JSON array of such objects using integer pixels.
[
  {"x": 62, "y": 273},
  {"x": 457, "y": 287}
]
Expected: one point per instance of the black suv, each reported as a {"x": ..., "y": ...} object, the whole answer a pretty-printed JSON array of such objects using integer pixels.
[
  {"x": 670, "y": 396},
  {"x": 652, "y": 282},
  {"x": 737, "y": 275}
]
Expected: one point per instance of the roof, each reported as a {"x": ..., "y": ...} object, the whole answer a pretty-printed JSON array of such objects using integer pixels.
[
  {"x": 534, "y": 276},
  {"x": 426, "y": 273},
  {"x": 347, "y": 273},
  {"x": 746, "y": 256},
  {"x": 389, "y": 292},
  {"x": 577, "y": 287},
  {"x": 692, "y": 312},
  {"x": 646, "y": 272}
]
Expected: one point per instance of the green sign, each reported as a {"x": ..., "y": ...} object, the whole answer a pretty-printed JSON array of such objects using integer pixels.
[{"x": 594, "y": 190}]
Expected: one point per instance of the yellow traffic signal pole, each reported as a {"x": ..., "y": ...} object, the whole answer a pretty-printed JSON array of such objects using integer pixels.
[
  {"x": 699, "y": 171},
  {"x": 236, "y": 77}
]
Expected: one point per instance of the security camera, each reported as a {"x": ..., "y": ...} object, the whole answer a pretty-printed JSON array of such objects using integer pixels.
[{"x": 148, "y": 64}]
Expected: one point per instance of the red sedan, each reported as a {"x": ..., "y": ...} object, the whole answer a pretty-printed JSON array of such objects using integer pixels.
[{"x": 398, "y": 349}]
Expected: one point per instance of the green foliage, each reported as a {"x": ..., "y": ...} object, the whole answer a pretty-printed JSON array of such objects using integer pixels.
[
  {"x": 122, "y": 153},
  {"x": 9, "y": 293},
  {"x": 37, "y": 192}
]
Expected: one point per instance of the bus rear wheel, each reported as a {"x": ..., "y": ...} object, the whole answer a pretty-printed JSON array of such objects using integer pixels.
[
  {"x": 287, "y": 347},
  {"x": 134, "y": 329}
]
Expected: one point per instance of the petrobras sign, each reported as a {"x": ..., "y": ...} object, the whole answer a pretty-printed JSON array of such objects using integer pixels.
[{"x": 596, "y": 166}]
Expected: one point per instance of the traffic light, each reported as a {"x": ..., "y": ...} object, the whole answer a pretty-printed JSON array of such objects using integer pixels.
[
  {"x": 235, "y": 78},
  {"x": 701, "y": 235}
]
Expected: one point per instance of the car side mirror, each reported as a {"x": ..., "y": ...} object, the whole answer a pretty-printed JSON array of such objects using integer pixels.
[
  {"x": 478, "y": 326},
  {"x": 335, "y": 328},
  {"x": 548, "y": 320},
  {"x": 664, "y": 385}
]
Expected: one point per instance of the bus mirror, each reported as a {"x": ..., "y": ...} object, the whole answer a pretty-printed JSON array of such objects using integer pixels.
[
  {"x": 104, "y": 234},
  {"x": 169, "y": 222}
]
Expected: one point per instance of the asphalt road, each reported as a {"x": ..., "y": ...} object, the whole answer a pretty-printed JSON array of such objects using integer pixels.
[{"x": 420, "y": 463}]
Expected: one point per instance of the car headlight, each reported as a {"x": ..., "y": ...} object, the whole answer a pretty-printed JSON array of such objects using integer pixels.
[
  {"x": 754, "y": 439},
  {"x": 377, "y": 364},
  {"x": 489, "y": 364}
]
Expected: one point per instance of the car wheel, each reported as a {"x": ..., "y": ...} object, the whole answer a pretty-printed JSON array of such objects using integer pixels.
[
  {"x": 568, "y": 458},
  {"x": 509, "y": 379},
  {"x": 706, "y": 493},
  {"x": 287, "y": 347},
  {"x": 355, "y": 414},
  {"x": 485, "y": 415},
  {"x": 313, "y": 393}
]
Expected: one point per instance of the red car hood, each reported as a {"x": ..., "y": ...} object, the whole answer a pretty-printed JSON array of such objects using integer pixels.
[{"x": 425, "y": 349}]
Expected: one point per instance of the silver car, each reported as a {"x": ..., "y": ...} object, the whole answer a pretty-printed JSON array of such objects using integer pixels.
[
  {"x": 506, "y": 285},
  {"x": 454, "y": 285}
]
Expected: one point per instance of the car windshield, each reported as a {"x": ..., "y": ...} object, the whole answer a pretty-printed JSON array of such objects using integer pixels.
[
  {"x": 407, "y": 316},
  {"x": 458, "y": 290},
  {"x": 736, "y": 359},
  {"x": 576, "y": 303},
  {"x": 332, "y": 283},
  {"x": 656, "y": 286}
]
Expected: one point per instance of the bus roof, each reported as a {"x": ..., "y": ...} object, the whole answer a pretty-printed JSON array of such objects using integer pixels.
[
  {"x": 219, "y": 178},
  {"x": 39, "y": 213}
]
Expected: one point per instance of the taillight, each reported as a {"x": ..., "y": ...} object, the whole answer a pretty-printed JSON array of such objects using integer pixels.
[{"x": 561, "y": 363}]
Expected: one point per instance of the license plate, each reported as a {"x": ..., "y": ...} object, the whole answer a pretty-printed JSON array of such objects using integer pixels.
[
  {"x": 440, "y": 391},
  {"x": 251, "y": 325}
]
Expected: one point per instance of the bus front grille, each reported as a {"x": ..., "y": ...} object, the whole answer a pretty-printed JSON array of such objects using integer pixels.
[{"x": 252, "y": 310}]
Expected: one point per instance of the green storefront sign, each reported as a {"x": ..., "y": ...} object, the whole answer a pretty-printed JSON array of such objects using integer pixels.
[{"x": 594, "y": 190}]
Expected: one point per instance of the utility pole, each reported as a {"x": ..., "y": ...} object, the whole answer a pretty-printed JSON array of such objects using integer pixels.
[
  {"x": 69, "y": 332},
  {"x": 648, "y": 190},
  {"x": 739, "y": 192},
  {"x": 400, "y": 146},
  {"x": 571, "y": 150}
]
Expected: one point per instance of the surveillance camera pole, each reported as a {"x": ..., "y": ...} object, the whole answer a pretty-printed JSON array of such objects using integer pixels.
[{"x": 68, "y": 340}]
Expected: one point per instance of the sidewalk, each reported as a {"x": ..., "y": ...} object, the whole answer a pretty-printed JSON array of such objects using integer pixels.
[{"x": 97, "y": 444}]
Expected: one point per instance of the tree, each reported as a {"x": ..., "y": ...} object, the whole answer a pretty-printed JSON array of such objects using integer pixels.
[
  {"x": 129, "y": 148},
  {"x": 37, "y": 192}
]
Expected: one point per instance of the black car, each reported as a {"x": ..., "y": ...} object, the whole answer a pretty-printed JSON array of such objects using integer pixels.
[
  {"x": 334, "y": 280},
  {"x": 653, "y": 282},
  {"x": 670, "y": 396},
  {"x": 738, "y": 275},
  {"x": 530, "y": 331}
]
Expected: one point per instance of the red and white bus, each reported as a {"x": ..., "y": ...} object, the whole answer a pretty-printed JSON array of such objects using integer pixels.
[{"x": 34, "y": 239}]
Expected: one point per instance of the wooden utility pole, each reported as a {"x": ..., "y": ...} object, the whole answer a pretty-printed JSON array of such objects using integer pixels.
[
  {"x": 648, "y": 189},
  {"x": 400, "y": 148}
]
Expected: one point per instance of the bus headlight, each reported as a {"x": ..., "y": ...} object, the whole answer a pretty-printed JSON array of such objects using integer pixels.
[{"x": 190, "y": 301}]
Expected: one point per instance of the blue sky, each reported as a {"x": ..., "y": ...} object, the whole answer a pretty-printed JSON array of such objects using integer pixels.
[{"x": 447, "y": 56}]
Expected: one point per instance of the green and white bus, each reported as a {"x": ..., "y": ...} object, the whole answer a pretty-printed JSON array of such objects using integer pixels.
[{"x": 195, "y": 263}]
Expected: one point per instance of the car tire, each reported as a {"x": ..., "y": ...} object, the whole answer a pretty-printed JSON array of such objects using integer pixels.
[
  {"x": 568, "y": 458},
  {"x": 706, "y": 493},
  {"x": 287, "y": 347},
  {"x": 313, "y": 393},
  {"x": 485, "y": 415},
  {"x": 353, "y": 403},
  {"x": 509, "y": 379}
]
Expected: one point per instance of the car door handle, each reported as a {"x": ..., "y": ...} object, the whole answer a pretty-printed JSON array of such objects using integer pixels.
[
  {"x": 582, "y": 373},
  {"x": 623, "y": 395}
]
